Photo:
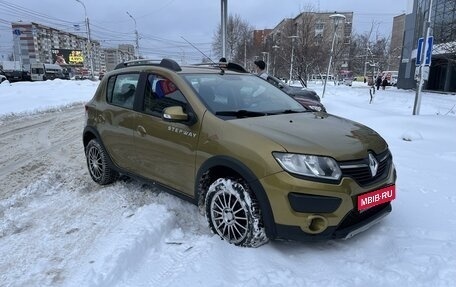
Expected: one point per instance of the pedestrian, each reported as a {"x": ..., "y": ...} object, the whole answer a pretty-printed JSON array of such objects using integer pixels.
[
  {"x": 223, "y": 63},
  {"x": 378, "y": 81},
  {"x": 260, "y": 67},
  {"x": 384, "y": 83}
]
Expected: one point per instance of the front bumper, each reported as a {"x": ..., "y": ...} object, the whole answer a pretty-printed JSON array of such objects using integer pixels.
[
  {"x": 351, "y": 225},
  {"x": 308, "y": 210}
]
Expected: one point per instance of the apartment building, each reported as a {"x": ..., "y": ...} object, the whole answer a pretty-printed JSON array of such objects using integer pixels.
[
  {"x": 397, "y": 38},
  {"x": 35, "y": 43},
  {"x": 114, "y": 56},
  {"x": 307, "y": 29}
]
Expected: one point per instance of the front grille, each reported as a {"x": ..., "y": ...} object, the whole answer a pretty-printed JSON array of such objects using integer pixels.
[{"x": 359, "y": 170}]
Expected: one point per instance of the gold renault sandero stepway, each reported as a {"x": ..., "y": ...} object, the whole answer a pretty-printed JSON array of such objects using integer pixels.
[{"x": 258, "y": 164}]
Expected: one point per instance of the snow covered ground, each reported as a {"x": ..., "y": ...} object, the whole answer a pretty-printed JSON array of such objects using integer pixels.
[{"x": 59, "y": 228}]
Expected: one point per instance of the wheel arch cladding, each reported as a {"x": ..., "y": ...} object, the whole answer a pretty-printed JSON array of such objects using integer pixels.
[
  {"x": 225, "y": 163},
  {"x": 89, "y": 134}
]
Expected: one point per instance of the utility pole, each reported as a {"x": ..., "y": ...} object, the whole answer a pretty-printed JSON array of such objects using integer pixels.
[
  {"x": 89, "y": 41},
  {"x": 224, "y": 16},
  {"x": 365, "y": 62},
  {"x": 137, "y": 37},
  {"x": 245, "y": 53},
  {"x": 420, "y": 83}
]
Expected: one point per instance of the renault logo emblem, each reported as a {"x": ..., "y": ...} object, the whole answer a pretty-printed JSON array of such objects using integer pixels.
[{"x": 373, "y": 165}]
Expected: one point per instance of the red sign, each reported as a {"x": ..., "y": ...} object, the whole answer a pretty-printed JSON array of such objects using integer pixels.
[{"x": 379, "y": 196}]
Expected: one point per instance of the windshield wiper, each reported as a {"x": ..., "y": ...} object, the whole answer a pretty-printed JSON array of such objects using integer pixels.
[
  {"x": 241, "y": 113},
  {"x": 289, "y": 111}
]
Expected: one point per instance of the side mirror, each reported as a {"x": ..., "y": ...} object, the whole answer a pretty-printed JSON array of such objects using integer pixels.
[{"x": 174, "y": 114}]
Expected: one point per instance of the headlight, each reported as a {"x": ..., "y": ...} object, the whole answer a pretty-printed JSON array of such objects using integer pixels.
[{"x": 309, "y": 165}]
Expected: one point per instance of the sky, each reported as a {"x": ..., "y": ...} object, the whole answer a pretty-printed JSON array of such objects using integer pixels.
[
  {"x": 59, "y": 228},
  {"x": 162, "y": 24}
]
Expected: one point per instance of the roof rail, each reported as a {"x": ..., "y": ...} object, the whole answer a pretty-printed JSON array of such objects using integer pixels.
[
  {"x": 165, "y": 63},
  {"x": 225, "y": 65}
]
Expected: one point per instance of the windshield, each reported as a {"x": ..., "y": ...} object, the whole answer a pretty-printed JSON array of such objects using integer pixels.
[{"x": 247, "y": 93}]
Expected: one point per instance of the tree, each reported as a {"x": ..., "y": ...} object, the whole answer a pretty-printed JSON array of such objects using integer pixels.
[
  {"x": 297, "y": 36},
  {"x": 311, "y": 50},
  {"x": 359, "y": 49},
  {"x": 238, "y": 39},
  {"x": 369, "y": 53}
]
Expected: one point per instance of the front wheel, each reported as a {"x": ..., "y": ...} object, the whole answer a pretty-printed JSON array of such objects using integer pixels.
[
  {"x": 233, "y": 213},
  {"x": 98, "y": 164}
]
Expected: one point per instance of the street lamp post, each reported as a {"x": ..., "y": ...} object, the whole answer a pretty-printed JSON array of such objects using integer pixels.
[
  {"x": 137, "y": 38},
  {"x": 292, "y": 56},
  {"x": 275, "y": 47},
  {"x": 336, "y": 18},
  {"x": 89, "y": 41}
]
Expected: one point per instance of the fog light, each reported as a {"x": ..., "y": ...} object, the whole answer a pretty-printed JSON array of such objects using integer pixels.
[{"x": 317, "y": 223}]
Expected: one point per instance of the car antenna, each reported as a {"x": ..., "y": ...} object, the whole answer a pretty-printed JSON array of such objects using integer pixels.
[{"x": 222, "y": 71}]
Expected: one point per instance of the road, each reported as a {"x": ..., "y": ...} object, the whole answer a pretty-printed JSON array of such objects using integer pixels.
[
  {"x": 32, "y": 145},
  {"x": 51, "y": 212}
]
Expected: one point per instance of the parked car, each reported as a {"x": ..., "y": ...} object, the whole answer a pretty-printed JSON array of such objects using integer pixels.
[
  {"x": 14, "y": 75},
  {"x": 305, "y": 96},
  {"x": 2, "y": 76},
  {"x": 345, "y": 81},
  {"x": 258, "y": 164}
]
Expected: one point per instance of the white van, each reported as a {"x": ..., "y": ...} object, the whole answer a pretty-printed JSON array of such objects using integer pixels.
[{"x": 43, "y": 72}]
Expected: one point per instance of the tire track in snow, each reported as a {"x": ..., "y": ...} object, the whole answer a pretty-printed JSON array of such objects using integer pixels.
[
  {"x": 31, "y": 144},
  {"x": 168, "y": 241},
  {"x": 128, "y": 248},
  {"x": 173, "y": 260}
]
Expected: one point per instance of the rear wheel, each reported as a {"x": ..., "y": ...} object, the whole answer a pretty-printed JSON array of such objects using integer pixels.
[
  {"x": 233, "y": 213},
  {"x": 98, "y": 164}
]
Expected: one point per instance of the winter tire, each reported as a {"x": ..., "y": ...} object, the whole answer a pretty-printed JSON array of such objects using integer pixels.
[
  {"x": 98, "y": 164},
  {"x": 234, "y": 214}
]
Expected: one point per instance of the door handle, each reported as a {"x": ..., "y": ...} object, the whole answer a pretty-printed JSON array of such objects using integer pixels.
[{"x": 141, "y": 131}]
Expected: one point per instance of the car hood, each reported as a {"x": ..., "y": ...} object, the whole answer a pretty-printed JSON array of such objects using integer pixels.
[{"x": 317, "y": 133}]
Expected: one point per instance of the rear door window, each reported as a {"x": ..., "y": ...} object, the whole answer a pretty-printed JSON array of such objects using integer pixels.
[{"x": 122, "y": 90}]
